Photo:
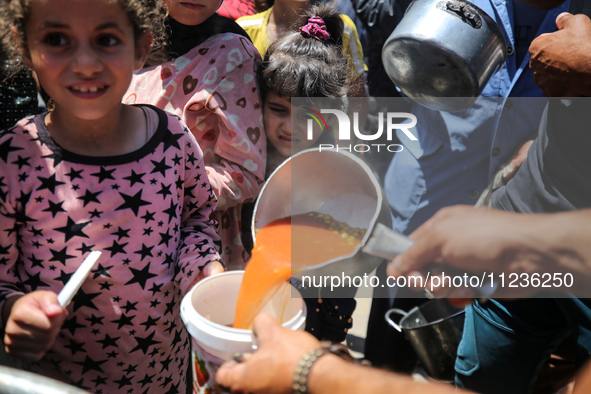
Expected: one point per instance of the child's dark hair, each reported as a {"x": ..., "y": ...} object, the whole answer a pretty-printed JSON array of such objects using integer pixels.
[
  {"x": 144, "y": 15},
  {"x": 297, "y": 65}
]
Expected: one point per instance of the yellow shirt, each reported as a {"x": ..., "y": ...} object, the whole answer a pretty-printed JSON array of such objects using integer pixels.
[{"x": 256, "y": 27}]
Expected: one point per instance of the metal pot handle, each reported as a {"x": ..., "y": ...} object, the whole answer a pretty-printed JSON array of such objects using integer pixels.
[
  {"x": 391, "y": 322},
  {"x": 463, "y": 11},
  {"x": 386, "y": 243}
]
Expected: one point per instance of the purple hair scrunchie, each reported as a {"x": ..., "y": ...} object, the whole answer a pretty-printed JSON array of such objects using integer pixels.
[{"x": 315, "y": 29}]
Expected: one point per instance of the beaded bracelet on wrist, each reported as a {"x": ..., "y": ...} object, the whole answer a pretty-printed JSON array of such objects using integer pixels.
[{"x": 302, "y": 371}]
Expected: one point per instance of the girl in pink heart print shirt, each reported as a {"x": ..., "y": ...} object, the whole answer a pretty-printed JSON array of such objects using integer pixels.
[{"x": 210, "y": 81}]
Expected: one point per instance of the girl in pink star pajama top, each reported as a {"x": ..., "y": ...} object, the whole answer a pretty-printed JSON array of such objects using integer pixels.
[{"x": 95, "y": 174}]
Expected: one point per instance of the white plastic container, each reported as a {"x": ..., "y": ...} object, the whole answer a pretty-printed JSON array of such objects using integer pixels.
[{"x": 208, "y": 313}]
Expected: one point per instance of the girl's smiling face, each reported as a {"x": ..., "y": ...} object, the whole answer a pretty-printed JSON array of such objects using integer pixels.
[
  {"x": 84, "y": 56},
  {"x": 191, "y": 12},
  {"x": 287, "y": 140}
]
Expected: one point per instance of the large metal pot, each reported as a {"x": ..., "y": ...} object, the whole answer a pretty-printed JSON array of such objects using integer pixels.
[
  {"x": 434, "y": 330},
  {"x": 444, "y": 49},
  {"x": 16, "y": 381}
]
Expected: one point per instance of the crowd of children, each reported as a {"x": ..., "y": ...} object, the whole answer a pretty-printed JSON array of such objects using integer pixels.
[
  {"x": 163, "y": 121},
  {"x": 153, "y": 141}
]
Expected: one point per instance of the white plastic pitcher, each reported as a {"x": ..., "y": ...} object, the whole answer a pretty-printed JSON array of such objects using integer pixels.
[{"x": 208, "y": 313}]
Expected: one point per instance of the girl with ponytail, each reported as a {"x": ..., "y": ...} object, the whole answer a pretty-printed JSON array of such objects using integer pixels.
[{"x": 307, "y": 62}]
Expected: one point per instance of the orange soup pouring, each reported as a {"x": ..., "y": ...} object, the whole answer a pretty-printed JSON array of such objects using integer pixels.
[{"x": 314, "y": 239}]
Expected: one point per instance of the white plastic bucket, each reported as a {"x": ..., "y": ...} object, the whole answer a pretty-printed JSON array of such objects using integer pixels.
[{"x": 208, "y": 313}]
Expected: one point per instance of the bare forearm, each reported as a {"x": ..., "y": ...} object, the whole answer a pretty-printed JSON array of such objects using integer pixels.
[
  {"x": 564, "y": 239},
  {"x": 330, "y": 374}
]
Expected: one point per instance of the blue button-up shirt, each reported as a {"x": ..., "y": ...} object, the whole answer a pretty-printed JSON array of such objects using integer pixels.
[{"x": 458, "y": 153}]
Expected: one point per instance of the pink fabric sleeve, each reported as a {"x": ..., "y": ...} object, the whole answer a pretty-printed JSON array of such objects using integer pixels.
[
  {"x": 226, "y": 118},
  {"x": 12, "y": 201},
  {"x": 199, "y": 242}
]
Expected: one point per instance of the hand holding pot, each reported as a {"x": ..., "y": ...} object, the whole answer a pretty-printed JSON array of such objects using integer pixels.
[
  {"x": 561, "y": 61},
  {"x": 454, "y": 236},
  {"x": 481, "y": 240},
  {"x": 271, "y": 368}
]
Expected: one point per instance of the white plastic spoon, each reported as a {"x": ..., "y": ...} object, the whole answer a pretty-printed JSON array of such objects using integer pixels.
[{"x": 73, "y": 285}]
